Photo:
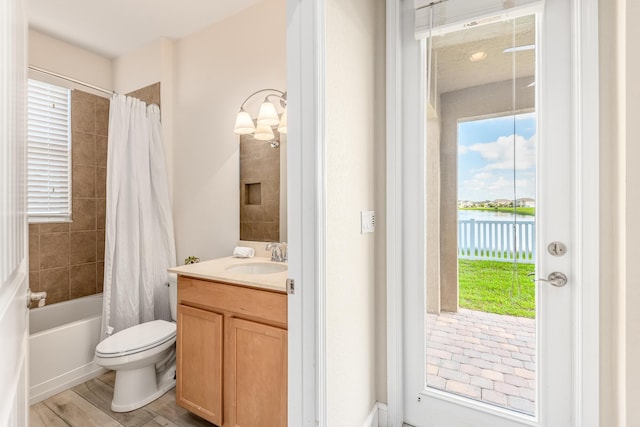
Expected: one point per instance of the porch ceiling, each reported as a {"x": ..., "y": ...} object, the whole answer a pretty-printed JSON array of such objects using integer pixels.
[{"x": 452, "y": 52}]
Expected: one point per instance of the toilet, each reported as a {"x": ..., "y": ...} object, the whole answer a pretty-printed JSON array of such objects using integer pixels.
[{"x": 143, "y": 357}]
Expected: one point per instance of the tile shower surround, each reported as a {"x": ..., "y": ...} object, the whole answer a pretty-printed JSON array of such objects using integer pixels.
[{"x": 67, "y": 259}]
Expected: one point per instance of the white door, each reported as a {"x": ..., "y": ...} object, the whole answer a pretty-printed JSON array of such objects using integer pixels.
[
  {"x": 13, "y": 233},
  {"x": 305, "y": 373},
  {"x": 549, "y": 367}
]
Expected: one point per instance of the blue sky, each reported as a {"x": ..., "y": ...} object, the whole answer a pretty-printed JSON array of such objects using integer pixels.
[{"x": 486, "y": 158}]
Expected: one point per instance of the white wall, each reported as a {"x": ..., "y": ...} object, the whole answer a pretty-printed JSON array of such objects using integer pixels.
[
  {"x": 140, "y": 68},
  {"x": 352, "y": 92},
  {"x": 63, "y": 58},
  {"x": 216, "y": 69},
  {"x": 630, "y": 236},
  {"x": 145, "y": 66},
  {"x": 620, "y": 230},
  {"x": 609, "y": 395},
  {"x": 380, "y": 184}
]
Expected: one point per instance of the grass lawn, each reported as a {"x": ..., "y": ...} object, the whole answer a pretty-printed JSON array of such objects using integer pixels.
[
  {"x": 487, "y": 286},
  {"x": 519, "y": 211}
]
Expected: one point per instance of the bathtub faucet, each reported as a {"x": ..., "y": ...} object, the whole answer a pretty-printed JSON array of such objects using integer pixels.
[
  {"x": 279, "y": 252},
  {"x": 41, "y": 297}
]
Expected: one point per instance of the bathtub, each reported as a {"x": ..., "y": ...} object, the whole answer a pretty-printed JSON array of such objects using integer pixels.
[{"x": 62, "y": 341}]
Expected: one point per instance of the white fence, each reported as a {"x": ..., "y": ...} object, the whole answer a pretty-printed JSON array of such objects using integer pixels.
[{"x": 497, "y": 240}]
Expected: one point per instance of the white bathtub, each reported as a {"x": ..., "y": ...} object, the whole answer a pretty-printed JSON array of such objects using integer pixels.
[{"x": 62, "y": 341}]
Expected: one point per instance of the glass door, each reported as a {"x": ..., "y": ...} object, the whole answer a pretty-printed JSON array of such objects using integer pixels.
[{"x": 493, "y": 346}]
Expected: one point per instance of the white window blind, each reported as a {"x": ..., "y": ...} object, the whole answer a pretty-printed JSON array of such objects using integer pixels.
[
  {"x": 437, "y": 17},
  {"x": 48, "y": 153}
]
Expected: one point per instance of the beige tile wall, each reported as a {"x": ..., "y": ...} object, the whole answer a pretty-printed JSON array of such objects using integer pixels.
[
  {"x": 67, "y": 259},
  {"x": 259, "y": 164},
  {"x": 149, "y": 94}
]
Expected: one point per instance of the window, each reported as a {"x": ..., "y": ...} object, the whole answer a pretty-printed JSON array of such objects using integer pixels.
[{"x": 48, "y": 153}]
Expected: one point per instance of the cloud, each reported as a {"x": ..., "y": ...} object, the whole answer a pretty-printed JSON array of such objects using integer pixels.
[
  {"x": 499, "y": 154},
  {"x": 487, "y": 183},
  {"x": 494, "y": 185},
  {"x": 483, "y": 176}
]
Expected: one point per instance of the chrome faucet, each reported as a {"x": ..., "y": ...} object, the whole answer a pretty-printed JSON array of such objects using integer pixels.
[{"x": 279, "y": 252}]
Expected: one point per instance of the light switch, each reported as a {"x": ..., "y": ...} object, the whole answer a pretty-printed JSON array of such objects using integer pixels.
[{"x": 368, "y": 222}]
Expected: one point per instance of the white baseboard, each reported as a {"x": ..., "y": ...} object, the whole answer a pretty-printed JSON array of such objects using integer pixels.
[
  {"x": 382, "y": 415},
  {"x": 39, "y": 392},
  {"x": 372, "y": 419},
  {"x": 377, "y": 417}
]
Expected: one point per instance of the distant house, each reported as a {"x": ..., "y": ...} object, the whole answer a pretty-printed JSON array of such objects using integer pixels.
[
  {"x": 503, "y": 203},
  {"x": 526, "y": 203},
  {"x": 498, "y": 203},
  {"x": 465, "y": 204}
]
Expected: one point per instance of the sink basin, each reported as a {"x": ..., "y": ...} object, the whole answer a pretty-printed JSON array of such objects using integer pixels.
[{"x": 257, "y": 268}]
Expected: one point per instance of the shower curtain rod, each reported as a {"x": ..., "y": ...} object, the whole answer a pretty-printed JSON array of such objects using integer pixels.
[{"x": 80, "y": 82}]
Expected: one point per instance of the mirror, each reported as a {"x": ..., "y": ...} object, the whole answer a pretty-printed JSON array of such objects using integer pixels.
[{"x": 263, "y": 191}]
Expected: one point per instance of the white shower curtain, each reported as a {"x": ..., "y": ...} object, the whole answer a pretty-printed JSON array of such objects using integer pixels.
[{"x": 139, "y": 239}]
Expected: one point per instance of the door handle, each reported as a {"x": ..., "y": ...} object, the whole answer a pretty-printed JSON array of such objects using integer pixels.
[{"x": 556, "y": 279}]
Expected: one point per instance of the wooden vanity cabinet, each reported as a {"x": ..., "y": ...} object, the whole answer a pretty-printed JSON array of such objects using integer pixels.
[
  {"x": 232, "y": 353},
  {"x": 257, "y": 374},
  {"x": 199, "y": 378}
]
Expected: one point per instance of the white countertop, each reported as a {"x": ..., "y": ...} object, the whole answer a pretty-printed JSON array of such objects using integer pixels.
[{"x": 216, "y": 269}]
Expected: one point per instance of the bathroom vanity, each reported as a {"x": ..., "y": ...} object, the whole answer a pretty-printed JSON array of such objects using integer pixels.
[{"x": 232, "y": 341}]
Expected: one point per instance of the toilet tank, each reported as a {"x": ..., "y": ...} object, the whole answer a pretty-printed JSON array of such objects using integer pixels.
[{"x": 173, "y": 294}]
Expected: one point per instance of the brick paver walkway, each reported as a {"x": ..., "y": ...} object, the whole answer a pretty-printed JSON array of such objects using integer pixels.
[{"x": 484, "y": 356}]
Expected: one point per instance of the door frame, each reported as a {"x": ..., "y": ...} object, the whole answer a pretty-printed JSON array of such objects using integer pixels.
[
  {"x": 585, "y": 110},
  {"x": 306, "y": 213}
]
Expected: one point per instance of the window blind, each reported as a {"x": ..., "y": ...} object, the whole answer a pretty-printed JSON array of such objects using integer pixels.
[
  {"x": 436, "y": 17},
  {"x": 48, "y": 152}
]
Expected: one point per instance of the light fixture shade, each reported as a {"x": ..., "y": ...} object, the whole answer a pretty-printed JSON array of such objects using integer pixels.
[
  {"x": 264, "y": 133},
  {"x": 244, "y": 123},
  {"x": 283, "y": 122},
  {"x": 268, "y": 115}
]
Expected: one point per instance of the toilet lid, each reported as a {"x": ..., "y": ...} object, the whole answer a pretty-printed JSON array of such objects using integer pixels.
[{"x": 137, "y": 338}]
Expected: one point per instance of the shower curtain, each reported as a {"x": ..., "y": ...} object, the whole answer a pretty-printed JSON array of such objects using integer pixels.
[{"x": 139, "y": 239}]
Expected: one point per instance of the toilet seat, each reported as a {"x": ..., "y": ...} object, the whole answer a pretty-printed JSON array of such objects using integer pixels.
[{"x": 137, "y": 339}]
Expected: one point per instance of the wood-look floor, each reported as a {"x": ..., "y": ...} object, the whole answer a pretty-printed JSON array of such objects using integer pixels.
[{"x": 88, "y": 405}]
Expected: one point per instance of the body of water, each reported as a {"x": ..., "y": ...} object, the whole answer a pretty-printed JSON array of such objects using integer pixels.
[{"x": 491, "y": 216}]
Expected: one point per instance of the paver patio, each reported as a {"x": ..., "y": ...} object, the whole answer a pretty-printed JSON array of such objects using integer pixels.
[{"x": 484, "y": 356}]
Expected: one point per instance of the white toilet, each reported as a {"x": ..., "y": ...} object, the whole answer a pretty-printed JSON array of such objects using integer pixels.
[{"x": 143, "y": 357}]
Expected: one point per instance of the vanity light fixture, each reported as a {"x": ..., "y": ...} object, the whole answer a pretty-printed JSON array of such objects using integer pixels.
[
  {"x": 268, "y": 118},
  {"x": 264, "y": 132}
]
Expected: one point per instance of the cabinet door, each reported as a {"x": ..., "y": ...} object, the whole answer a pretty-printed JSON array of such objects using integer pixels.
[
  {"x": 199, "y": 362},
  {"x": 256, "y": 381}
]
